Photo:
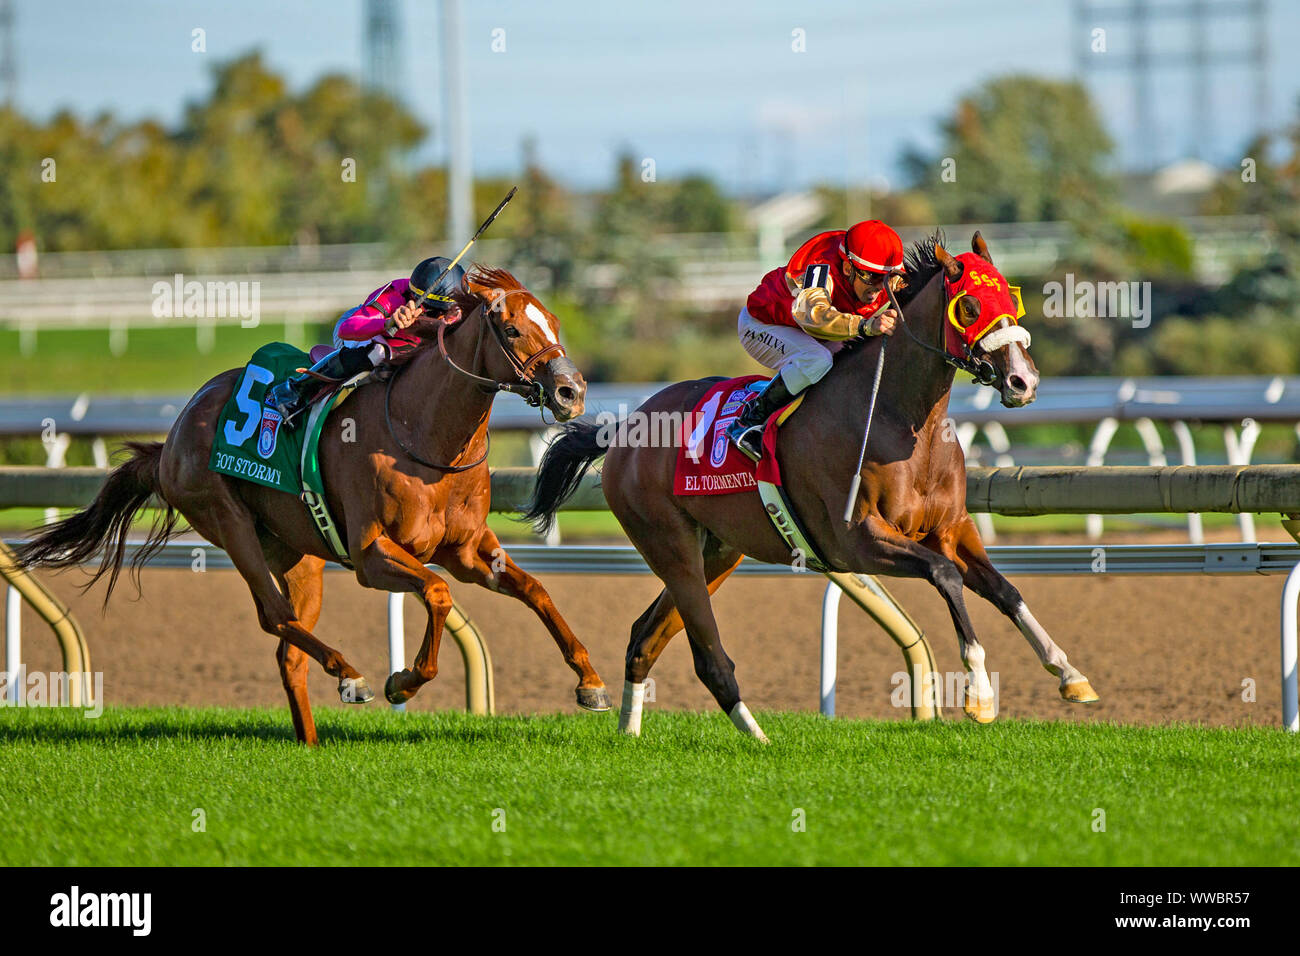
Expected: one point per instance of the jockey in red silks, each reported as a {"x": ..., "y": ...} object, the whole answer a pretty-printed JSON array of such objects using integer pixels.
[
  {"x": 374, "y": 331},
  {"x": 832, "y": 290}
]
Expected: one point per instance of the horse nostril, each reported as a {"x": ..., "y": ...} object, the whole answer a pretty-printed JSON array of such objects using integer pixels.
[
  {"x": 566, "y": 394},
  {"x": 1017, "y": 383}
]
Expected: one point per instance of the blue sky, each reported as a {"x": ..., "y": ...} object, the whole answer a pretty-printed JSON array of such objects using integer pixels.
[{"x": 712, "y": 87}]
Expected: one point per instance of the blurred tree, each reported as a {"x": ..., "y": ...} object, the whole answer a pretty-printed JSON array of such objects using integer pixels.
[
  {"x": 19, "y": 176},
  {"x": 1247, "y": 325},
  {"x": 1265, "y": 186},
  {"x": 249, "y": 164},
  {"x": 910, "y": 207},
  {"x": 333, "y": 123},
  {"x": 242, "y": 169},
  {"x": 694, "y": 204},
  {"x": 1260, "y": 344},
  {"x": 545, "y": 229},
  {"x": 1018, "y": 149}
]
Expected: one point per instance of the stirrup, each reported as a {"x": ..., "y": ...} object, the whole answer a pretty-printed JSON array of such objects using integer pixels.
[
  {"x": 739, "y": 438},
  {"x": 289, "y": 406}
]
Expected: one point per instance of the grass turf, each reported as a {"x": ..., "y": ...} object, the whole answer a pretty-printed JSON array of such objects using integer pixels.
[{"x": 388, "y": 788}]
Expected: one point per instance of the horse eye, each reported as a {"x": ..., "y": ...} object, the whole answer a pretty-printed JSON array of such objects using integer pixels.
[{"x": 512, "y": 332}]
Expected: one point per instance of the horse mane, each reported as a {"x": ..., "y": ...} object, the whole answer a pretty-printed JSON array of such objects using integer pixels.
[
  {"x": 502, "y": 279},
  {"x": 920, "y": 263}
]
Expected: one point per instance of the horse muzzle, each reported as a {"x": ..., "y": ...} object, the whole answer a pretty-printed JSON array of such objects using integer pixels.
[
  {"x": 1019, "y": 390},
  {"x": 566, "y": 390}
]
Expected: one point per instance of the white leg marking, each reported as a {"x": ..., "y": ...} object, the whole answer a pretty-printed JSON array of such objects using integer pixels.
[
  {"x": 979, "y": 677},
  {"x": 745, "y": 723},
  {"x": 629, "y": 717},
  {"x": 1053, "y": 657}
]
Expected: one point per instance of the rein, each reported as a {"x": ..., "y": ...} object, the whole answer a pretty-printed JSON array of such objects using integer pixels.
[
  {"x": 408, "y": 451},
  {"x": 526, "y": 386},
  {"x": 984, "y": 371}
]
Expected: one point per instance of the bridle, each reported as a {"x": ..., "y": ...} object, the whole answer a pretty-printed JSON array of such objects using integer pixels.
[
  {"x": 526, "y": 385},
  {"x": 984, "y": 371}
]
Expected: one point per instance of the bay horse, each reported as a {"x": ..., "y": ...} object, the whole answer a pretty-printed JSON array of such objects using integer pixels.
[
  {"x": 407, "y": 483},
  {"x": 909, "y": 518}
]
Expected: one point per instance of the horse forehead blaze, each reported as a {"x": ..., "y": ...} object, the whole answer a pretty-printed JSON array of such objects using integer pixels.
[
  {"x": 507, "y": 302},
  {"x": 998, "y": 299},
  {"x": 540, "y": 319}
]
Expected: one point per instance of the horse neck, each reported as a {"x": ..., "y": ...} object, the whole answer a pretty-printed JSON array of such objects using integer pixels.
[
  {"x": 443, "y": 411},
  {"x": 915, "y": 382}
]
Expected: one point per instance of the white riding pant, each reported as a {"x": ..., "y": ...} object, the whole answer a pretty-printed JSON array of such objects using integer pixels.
[{"x": 799, "y": 358}]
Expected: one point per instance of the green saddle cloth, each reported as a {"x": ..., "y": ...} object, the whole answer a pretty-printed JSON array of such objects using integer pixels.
[{"x": 252, "y": 442}]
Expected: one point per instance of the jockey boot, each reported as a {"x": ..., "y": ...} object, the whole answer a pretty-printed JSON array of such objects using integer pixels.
[
  {"x": 294, "y": 394},
  {"x": 747, "y": 430}
]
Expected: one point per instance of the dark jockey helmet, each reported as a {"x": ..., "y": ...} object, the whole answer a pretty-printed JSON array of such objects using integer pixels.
[{"x": 439, "y": 298}]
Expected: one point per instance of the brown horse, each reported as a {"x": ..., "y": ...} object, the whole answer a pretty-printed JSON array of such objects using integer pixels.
[
  {"x": 909, "y": 519},
  {"x": 407, "y": 483}
]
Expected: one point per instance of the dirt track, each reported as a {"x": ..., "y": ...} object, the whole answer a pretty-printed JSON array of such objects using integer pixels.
[{"x": 1156, "y": 649}]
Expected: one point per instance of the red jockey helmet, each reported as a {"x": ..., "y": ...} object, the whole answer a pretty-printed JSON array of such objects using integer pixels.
[{"x": 871, "y": 246}]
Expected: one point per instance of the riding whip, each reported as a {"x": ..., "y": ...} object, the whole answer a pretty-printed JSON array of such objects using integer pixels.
[
  {"x": 871, "y": 411},
  {"x": 460, "y": 255}
]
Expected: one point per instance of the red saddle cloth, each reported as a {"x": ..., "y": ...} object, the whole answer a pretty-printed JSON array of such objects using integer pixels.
[{"x": 708, "y": 463}]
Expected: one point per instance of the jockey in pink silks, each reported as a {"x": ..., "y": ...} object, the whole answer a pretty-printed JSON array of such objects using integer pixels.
[{"x": 374, "y": 331}]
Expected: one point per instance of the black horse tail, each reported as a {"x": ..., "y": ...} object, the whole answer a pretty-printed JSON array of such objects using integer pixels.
[
  {"x": 106, "y": 523},
  {"x": 560, "y": 473}
]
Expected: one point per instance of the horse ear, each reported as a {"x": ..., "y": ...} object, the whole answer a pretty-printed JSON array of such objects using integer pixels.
[
  {"x": 980, "y": 247},
  {"x": 484, "y": 291},
  {"x": 951, "y": 267}
]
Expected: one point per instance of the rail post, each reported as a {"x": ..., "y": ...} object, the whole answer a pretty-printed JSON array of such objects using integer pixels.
[
  {"x": 72, "y": 642},
  {"x": 480, "y": 691},
  {"x": 1290, "y": 598},
  {"x": 870, "y": 595},
  {"x": 1290, "y": 697},
  {"x": 396, "y": 638},
  {"x": 13, "y": 640},
  {"x": 480, "y": 694}
]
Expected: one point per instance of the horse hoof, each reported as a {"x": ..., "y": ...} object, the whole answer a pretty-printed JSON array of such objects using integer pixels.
[
  {"x": 391, "y": 692},
  {"x": 1079, "y": 692},
  {"x": 982, "y": 710},
  {"x": 595, "y": 699},
  {"x": 355, "y": 690}
]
